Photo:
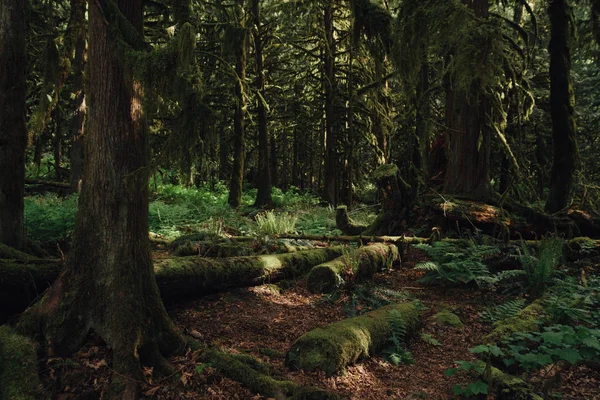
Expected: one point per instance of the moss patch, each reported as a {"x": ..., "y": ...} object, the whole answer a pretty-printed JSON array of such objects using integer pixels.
[
  {"x": 446, "y": 318},
  {"x": 527, "y": 320},
  {"x": 18, "y": 367}
]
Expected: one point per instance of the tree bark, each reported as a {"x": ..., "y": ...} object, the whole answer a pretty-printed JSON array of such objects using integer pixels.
[
  {"x": 263, "y": 195},
  {"x": 239, "y": 145},
  {"x": 562, "y": 103},
  {"x": 330, "y": 181},
  {"x": 108, "y": 285},
  {"x": 13, "y": 133}
]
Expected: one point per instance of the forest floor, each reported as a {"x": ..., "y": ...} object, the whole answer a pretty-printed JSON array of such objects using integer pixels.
[{"x": 265, "y": 320}]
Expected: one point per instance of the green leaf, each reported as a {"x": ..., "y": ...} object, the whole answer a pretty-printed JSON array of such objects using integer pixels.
[
  {"x": 480, "y": 349},
  {"x": 450, "y": 372},
  {"x": 555, "y": 338},
  {"x": 478, "y": 387},
  {"x": 201, "y": 367},
  {"x": 570, "y": 355}
]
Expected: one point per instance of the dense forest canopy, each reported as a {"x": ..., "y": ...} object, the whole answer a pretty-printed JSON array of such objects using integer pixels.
[{"x": 404, "y": 126}]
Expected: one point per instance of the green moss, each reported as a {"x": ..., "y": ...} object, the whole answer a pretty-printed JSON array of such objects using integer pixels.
[
  {"x": 329, "y": 276},
  {"x": 385, "y": 170},
  {"x": 508, "y": 386},
  {"x": 446, "y": 318},
  {"x": 18, "y": 367},
  {"x": 333, "y": 347},
  {"x": 527, "y": 320}
]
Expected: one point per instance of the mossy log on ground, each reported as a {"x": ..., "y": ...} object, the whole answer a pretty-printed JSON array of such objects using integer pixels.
[
  {"x": 186, "y": 276},
  {"x": 345, "y": 224},
  {"x": 212, "y": 249},
  {"x": 18, "y": 367},
  {"x": 526, "y": 320},
  {"x": 363, "y": 264},
  {"x": 508, "y": 387},
  {"x": 23, "y": 282},
  {"x": 337, "y": 345},
  {"x": 252, "y": 374}
]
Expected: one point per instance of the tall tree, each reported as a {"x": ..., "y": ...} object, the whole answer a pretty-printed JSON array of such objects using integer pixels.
[
  {"x": 108, "y": 285},
  {"x": 13, "y": 133},
  {"x": 562, "y": 103},
  {"x": 263, "y": 195},
  {"x": 240, "y": 37},
  {"x": 330, "y": 181}
]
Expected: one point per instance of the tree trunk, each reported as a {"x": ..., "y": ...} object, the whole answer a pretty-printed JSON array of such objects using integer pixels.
[
  {"x": 330, "y": 182},
  {"x": 263, "y": 195},
  {"x": 108, "y": 285},
  {"x": 78, "y": 24},
  {"x": 13, "y": 134},
  {"x": 239, "y": 145},
  {"x": 562, "y": 102},
  {"x": 469, "y": 137}
]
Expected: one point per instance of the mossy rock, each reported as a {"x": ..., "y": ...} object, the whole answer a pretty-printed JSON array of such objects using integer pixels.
[
  {"x": 446, "y": 318},
  {"x": 18, "y": 367},
  {"x": 333, "y": 347},
  {"x": 527, "y": 320}
]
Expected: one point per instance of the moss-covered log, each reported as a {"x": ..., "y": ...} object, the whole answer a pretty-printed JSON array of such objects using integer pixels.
[
  {"x": 509, "y": 387},
  {"x": 21, "y": 282},
  {"x": 255, "y": 376},
  {"x": 363, "y": 264},
  {"x": 335, "y": 346},
  {"x": 345, "y": 224},
  {"x": 18, "y": 367},
  {"x": 196, "y": 275}
]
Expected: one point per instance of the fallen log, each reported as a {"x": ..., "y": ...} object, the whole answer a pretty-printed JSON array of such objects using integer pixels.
[
  {"x": 335, "y": 346},
  {"x": 367, "y": 260},
  {"x": 22, "y": 281}
]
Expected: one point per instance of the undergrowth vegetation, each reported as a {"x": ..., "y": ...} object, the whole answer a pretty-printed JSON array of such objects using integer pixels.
[{"x": 176, "y": 210}]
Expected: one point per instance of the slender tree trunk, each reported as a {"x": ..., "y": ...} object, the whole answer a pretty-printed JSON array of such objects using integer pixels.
[
  {"x": 263, "y": 195},
  {"x": 78, "y": 23},
  {"x": 239, "y": 145},
  {"x": 108, "y": 285},
  {"x": 13, "y": 133},
  {"x": 273, "y": 160},
  {"x": 469, "y": 137},
  {"x": 562, "y": 102},
  {"x": 330, "y": 189}
]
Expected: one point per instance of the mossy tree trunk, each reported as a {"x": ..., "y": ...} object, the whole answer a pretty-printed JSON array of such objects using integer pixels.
[
  {"x": 13, "y": 134},
  {"x": 263, "y": 195},
  {"x": 469, "y": 146},
  {"x": 239, "y": 134},
  {"x": 108, "y": 285},
  {"x": 562, "y": 102}
]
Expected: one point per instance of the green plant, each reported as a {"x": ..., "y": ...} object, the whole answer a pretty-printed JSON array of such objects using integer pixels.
[
  {"x": 365, "y": 298},
  {"x": 502, "y": 311},
  {"x": 429, "y": 339},
  {"x": 572, "y": 301},
  {"x": 455, "y": 263},
  {"x": 541, "y": 269},
  {"x": 270, "y": 223},
  {"x": 395, "y": 352},
  {"x": 478, "y": 387},
  {"x": 50, "y": 218}
]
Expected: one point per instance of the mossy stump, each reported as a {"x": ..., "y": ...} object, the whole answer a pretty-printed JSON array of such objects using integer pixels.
[
  {"x": 345, "y": 224},
  {"x": 330, "y": 276},
  {"x": 333, "y": 347}
]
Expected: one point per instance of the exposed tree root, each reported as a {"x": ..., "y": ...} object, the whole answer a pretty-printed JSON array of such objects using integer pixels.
[
  {"x": 363, "y": 264},
  {"x": 335, "y": 346}
]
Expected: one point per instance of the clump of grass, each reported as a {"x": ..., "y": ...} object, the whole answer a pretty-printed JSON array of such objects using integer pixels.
[{"x": 270, "y": 223}]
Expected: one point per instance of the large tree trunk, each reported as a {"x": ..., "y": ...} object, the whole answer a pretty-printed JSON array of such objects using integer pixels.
[
  {"x": 239, "y": 145},
  {"x": 469, "y": 137},
  {"x": 108, "y": 285},
  {"x": 263, "y": 195},
  {"x": 13, "y": 134},
  {"x": 562, "y": 102}
]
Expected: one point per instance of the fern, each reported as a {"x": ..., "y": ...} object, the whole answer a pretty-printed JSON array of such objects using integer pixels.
[
  {"x": 395, "y": 352},
  {"x": 364, "y": 298},
  {"x": 540, "y": 270},
  {"x": 429, "y": 339},
  {"x": 502, "y": 311}
]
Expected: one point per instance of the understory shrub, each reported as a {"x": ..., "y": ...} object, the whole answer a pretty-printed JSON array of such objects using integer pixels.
[{"x": 271, "y": 223}]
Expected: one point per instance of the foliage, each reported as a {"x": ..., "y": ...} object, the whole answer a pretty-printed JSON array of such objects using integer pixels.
[
  {"x": 270, "y": 223},
  {"x": 395, "y": 351},
  {"x": 429, "y": 339},
  {"x": 50, "y": 218},
  {"x": 502, "y": 311},
  {"x": 573, "y": 302},
  {"x": 472, "y": 388},
  {"x": 541, "y": 269},
  {"x": 366, "y": 297},
  {"x": 457, "y": 264}
]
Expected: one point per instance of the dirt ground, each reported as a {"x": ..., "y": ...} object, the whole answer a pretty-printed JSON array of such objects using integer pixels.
[{"x": 264, "y": 321}]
